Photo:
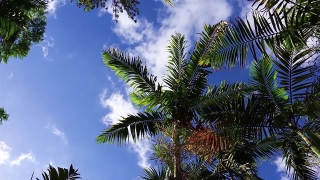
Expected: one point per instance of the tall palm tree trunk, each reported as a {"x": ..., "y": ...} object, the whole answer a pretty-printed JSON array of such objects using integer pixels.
[
  {"x": 313, "y": 141},
  {"x": 176, "y": 154}
]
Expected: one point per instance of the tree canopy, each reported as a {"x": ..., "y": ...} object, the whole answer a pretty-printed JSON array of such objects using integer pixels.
[{"x": 22, "y": 24}]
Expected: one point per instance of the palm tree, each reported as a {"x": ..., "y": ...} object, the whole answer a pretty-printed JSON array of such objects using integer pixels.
[
  {"x": 60, "y": 174},
  {"x": 285, "y": 116},
  {"x": 176, "y": 104},
  {"x": 287, "y": 113}
]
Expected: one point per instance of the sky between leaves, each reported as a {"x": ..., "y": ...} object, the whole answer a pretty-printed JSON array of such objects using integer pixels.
[{"x": 61, "y": 96}]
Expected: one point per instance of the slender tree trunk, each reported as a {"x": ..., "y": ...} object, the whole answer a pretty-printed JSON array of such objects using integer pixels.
[
  {"x": 313, "y": 142},
  {"x": 176, "y": 154}
]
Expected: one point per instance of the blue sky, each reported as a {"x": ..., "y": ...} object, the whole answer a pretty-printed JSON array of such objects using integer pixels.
[{"x": 61, "y": 96}]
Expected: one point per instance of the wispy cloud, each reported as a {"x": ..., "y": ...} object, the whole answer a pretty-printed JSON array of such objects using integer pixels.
[
  {"x": 4, "y": 152},
  {"x": 5, "y": 156},
  {"x": 54, "y": 130},
  {"x": 59, "y": 133},
  {"x": 120, "y": 107},
  {"x": 47, "y": 43},
  {"x": 10, "y": 75},
  {"x": 53, "y": 5},
  {"x": 17, "y": 161}
]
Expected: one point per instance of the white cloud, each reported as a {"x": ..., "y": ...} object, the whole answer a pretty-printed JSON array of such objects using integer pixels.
[
  {"x": 281, "y": 168},
  {"x": 54, "y": 130},
  {"x": 59, "y": 133},
  {"x": 47, "y": 43},
  {"x": 17, "y": 161},
  {"x": 102, "y": 11},
  {"x": 53, "y": 5},
  {"x": 117, "y": 105},
  {"x": 312, "y": 42},
  {"x": 4, "y": 152},
  {"x": 111, "y": 81},
  {"x": 5, "y": 156},
  {"x": 120, "y": 107}
]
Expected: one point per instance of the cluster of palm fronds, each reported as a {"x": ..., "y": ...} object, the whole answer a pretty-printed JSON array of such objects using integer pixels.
[
  {"x": 231, "y": 127},
  {"x": 59, "y": 174}
]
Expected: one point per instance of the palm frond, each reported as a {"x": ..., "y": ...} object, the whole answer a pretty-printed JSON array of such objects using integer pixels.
[
  {"x": 132, "y": 71},
  {"x": 232, "y": 43},
  {"x": 296, "y": 159},
  {"x": 60, "y": 173},
  {"x": 195, "y": 77},
  {"x": 263, "y": 78},
  {"x": 224, "y": 92},
  {"x": 132, "y": 126},
  {"x": 168, "y": 2},
  {"x": 294, "y": 73},
  {"x": 247, "y": 118},
  {"x": 177, "y": 61},
  {"x": 152, "y": 174}
]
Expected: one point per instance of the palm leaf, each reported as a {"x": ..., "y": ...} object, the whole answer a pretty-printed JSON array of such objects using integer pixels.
[
  {"x": 294, "y": 73},
  {"x": 296, "y": 159},
  {"x": 263, "y": 78},
  {"x": 146, "y": 88},
  {"x": 153, "y": 174},
  {"x": 232, "y": 43},
  {"x": 177, "y": 61},
  {"x": 132, "y": 126}
]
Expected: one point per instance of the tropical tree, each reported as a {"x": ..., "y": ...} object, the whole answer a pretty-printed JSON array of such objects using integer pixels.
[
  {"x": 283, "y": 116},
  {"x": 174, "y": 109},
  {"x": 60, "y": 174},
  {"x": 22, "y": 23},
  {"x": 285, "y": 113}
]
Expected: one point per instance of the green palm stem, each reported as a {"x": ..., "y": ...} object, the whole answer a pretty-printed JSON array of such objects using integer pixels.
[
  {"x": 312, "y": 141},
  {"x": 177, "y": 153}
]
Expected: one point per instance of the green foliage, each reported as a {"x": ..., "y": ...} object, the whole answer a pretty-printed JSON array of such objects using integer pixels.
[
  {"x": 132, "y": 126},
  {"x": 182, "y": 104},
  {"x": 22, "y": 23},
  {"x": 293, "y": 22},
  {"x": 118, "y": 6},
  {"x": 60, "y": 174},
  {"x": 152, "y": 174},
  {"x": 3, "y": 115}
]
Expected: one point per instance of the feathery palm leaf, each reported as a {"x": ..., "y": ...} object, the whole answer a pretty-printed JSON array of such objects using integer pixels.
[
  {"x": 152, "y": 174},
  {"x": 294, "y": 73},
  {"x": 132, "y": 126},
  {"x": 232, "y": 43},
  {"x": 146, "y": 89},
  {"x": 263, "y": 78},
  {"x": 296, "y": 158}
]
